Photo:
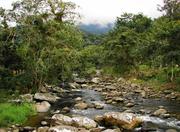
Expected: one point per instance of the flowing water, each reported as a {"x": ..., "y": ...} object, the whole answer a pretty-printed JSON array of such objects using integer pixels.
[{"x": 150, "y": 122}]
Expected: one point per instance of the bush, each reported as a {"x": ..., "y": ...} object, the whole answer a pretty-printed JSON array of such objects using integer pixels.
[
  {"x": 90, "y": 59},
  {"x": 15, "y": 114}
]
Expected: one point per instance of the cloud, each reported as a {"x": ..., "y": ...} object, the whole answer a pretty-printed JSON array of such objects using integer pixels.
[
  {"x": 106, "y": 11},
  {"x": 6, "y": 3}
]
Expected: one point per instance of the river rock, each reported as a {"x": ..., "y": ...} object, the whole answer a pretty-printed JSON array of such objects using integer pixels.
[
  {"x": 112, "y": 130},
  {"x": 44, "y": 123},
  {"x": 80, "y": 80},
  {"x": 129, "y": 105},
  {"x": 27, "y": 97},
  {"x": 128, "y": 111},
  {"x": 109, "y": 101},
  {"x": 59, "y": 90},
  {"x": 95, "y": 80},
  {"x": 78, "y": 99},
  {"x": 96, "y": 130},
  {"x": 3, "y": 130},
  {"x": 99, "y": 119},
  {"x": 15, "y": 130},
  {"x": 60, "y": 119},
  {"x": 118, "y": 99},
  {"x": 171, "y": 130},
  {"x": 85, "y": 122},
  {"x": 28, "y": 129},
  {"x": 123, "y": 120},
  {"x": 74, "y": 85},
  {"x": 55, "y": 112},
  {"x": 63, "y": 129},
  {"x": 166, "y": 115},
  {"x": 98, "y": 105},
  {"x": 42, "y": 107},
  {"x": 160, "y": 112},
  {"x": 84, "y": 86},
  {"x": 66, "y": 110},
  {"x": 81, "y": 106},
  {"x": 43, "y": 129},
  {"x": 45, "y": 97}
]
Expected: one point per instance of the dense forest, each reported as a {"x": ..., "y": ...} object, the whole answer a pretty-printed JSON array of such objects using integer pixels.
[
  {"x": 45, "y": 46},
  {"x": 41, "y": 44}
]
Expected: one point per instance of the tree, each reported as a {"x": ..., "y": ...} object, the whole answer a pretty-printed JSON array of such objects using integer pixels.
[
  {"x": 46, "y": 46},
  {"x": 171, "y": 9},
  {"x": 123, "y": 43},
  {"x": 48, "y": 9}
]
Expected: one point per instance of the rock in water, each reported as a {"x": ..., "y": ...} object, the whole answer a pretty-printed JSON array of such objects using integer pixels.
[
  {"x": 74, "y": 85},
  {"x": 62, "y": 119},
  {"x": 123, "y": 120},
  {"x": 112, "y": 130},
  {"x": 98, "y": 105},
  {"x": 84, "y": 122},
  {"x": 42, "y": 107},
  {"x": 66, "y": 110},
  {"x": 78, "y": 99},
  {"x": 63, "y": 129},
  {"x": 129, "y": 105},
  {"x": 81, "y": 106},
  {"x": 42, "y": 129},
  {"x": 171, "y": 130},
  {"x": 99, "y": 119},
  {"x": 160, "y": 112}
]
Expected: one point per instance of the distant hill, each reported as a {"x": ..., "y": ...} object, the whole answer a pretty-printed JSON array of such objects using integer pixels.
[{"x": 96, "y": 28}]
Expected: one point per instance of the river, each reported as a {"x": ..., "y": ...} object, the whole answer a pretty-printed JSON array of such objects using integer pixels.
[{"x": 89, "y": 96}]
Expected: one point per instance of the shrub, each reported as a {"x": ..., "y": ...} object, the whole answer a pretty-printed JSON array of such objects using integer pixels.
[{"x": 15, "y": 113}]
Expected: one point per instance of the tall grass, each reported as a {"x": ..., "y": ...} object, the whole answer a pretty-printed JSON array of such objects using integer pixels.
[{"x": 15, "y": 113}]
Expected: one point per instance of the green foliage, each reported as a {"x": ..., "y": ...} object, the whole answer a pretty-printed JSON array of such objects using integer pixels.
[
  {"x": 90, "y": 58},
  {"x": 15, "y": 114},
  {"x": 46, "y": 47},
  {"x": 171, "y": 8},
  {"x": 123, "y": 42},
  {"x": 42, "y": 47}
]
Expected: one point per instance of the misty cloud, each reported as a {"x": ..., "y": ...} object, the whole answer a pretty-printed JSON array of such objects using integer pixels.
[{"x": 105, "y": 11}]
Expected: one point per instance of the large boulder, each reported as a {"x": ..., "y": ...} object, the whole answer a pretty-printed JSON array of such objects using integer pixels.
[
  {"x": 123, "y": 120},
  {"x": 63, "y": 129},
  {"x": 60, "y": 119},
  {"x": 45, "y": 97},
  {"x": 81, "y": 106},
  {"x": 84, "y": 122},
  {"x": 42, "y": 107}
]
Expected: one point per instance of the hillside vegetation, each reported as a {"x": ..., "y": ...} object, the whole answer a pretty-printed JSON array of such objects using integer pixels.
[{"x": 46, "y": 47}]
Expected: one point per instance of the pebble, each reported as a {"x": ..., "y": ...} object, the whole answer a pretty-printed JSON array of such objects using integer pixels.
[
  {"x": 171, "y": 130},
  {"x": 129, "y": 105},
  {"x": 44, "y": 123}
]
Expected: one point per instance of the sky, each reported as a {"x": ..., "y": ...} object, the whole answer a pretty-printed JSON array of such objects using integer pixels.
[{"x": 106, "y": 11}]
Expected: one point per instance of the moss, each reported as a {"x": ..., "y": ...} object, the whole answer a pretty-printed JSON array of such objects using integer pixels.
[{"x": 15, "y": 113}]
